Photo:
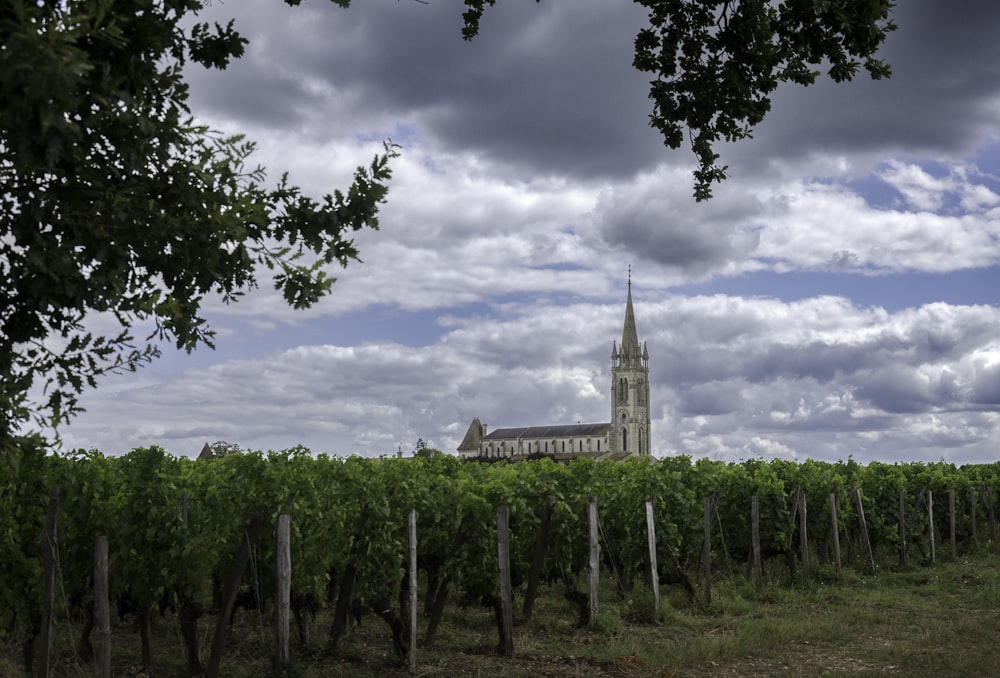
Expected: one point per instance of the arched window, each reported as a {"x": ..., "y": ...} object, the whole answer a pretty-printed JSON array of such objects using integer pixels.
[
  {"x": 641, "y": 436},
  {"x": 623, "y": 389},
  {"x": 624, "y": 439}
]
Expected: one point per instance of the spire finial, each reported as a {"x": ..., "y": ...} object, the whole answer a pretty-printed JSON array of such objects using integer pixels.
[{"x": 630, "y": 276}]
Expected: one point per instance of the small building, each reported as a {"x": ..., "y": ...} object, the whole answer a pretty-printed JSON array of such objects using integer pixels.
[{"x": 626, "y": 435}]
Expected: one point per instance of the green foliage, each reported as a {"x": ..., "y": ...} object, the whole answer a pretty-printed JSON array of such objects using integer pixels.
[
  {"x": 426, "y": 452},
  {"x": 113, "y": 201},
  {"x": 24, "y": 495},
  {"x": 172, "y": 523}
]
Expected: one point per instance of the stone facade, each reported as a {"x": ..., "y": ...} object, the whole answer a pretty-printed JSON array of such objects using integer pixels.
[{"x": 626, "y": 435}]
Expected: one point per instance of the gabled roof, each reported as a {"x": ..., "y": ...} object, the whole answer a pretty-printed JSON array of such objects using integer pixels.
[{"x": 563, "y": 431}]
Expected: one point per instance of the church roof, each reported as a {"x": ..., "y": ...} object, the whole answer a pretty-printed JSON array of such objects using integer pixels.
[
  {"x": 470, "y": 442},
  {"x": 561, "y": 431}
]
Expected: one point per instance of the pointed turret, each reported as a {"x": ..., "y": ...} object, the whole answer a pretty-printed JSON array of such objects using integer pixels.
[{"x": 630, "y": 337}]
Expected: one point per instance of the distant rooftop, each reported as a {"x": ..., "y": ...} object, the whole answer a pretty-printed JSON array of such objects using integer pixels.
[{"x": 562, "y": 431}]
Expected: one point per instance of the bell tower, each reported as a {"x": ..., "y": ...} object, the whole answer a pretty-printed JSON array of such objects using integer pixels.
[{"x": 629, "y": 432}]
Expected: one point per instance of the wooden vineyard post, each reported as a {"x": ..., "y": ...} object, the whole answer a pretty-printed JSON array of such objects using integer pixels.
[
  {"x": 803, "y": 535},
  {"x": 988, "y": 498},
  {"x": 538, "y": 561},
  {"x": 506, "y": 648},
  {"x": 756, "y": 565},
  {"x": 972, "y": 515},
  {"x": 102, "y": 607},
  {"x": 706, "y": 552},
  {"x": 593, "y": 564},
  {"x": 930, "y": 522},
  {"x": 863, "y": 525},
  {"x": 50, "y": 554},
  {"x": 902, "y": 528},
  {"x": 654, "y": 576},
  {"x": 283, "y": 590},
  {"x": 413, "y": 590},
  {"x": 951, "y": 523},
  {"x": 834, "y": 525}
]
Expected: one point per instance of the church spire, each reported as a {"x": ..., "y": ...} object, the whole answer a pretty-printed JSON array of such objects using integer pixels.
[{"x": 630, "y": 337}]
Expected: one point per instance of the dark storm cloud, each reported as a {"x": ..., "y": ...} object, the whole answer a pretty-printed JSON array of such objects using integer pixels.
[
  {"x": 659, "y": 222},
  {"x": 942, "y": 96},
  {"x": 266, "y": 99},
  {"x": 712, "y": 398},
  {"x": 547, "y": 88},
  {"x": 554, "y": 91}
]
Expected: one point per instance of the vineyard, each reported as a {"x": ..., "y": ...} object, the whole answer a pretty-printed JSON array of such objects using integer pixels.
[{"x": 293, "y": 534}]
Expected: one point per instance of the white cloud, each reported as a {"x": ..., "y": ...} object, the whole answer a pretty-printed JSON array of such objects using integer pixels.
[
  {"x": 731, "y": 377},
  {"x": 530, "y": 180}
]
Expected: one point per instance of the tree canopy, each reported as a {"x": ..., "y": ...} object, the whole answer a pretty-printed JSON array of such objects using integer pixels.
[
  {"x": 114, "y": 202},
  {"x": 116, "y": 206}
]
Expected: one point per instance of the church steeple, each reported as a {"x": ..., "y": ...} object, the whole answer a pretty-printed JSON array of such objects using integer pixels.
[
  {"x": 631, "y": 351},
  {"x": 630, "y": 388}
]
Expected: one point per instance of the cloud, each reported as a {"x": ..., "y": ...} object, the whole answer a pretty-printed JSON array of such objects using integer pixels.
[
  {"x": 729, "y": 376},
  {"x": 530, "y": 180},
  {"x": 941, "y": 100},
  {"x": 514, "y": 93}
]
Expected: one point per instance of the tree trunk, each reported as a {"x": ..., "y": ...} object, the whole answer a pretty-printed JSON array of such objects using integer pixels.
[
  {"x": 538, "y": 560},
  {"x": 437, "y": 610},
  {"x": 188, "y": 616},
  {"x": 84, "y": 648},
  {"x": 145, "y": 623},
  {"x": 50, "y": 553},
  {"x": 228, "y": 601},
  {"x": 400, "y": 643},
  {"x": 344, "y": 596}
]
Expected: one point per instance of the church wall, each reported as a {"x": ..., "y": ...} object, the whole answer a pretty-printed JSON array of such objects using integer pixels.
[{"x": 550, "y": 445}]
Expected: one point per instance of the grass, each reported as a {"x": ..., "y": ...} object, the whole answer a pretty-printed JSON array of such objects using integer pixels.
[{"x": 920, "y": 621}]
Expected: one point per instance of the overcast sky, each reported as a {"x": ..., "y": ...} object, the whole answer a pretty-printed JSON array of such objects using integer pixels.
[{"x": 838, "y": 297}]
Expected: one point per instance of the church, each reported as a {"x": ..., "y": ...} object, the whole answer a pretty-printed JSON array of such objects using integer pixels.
[{"x": 626, "y": 435}]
